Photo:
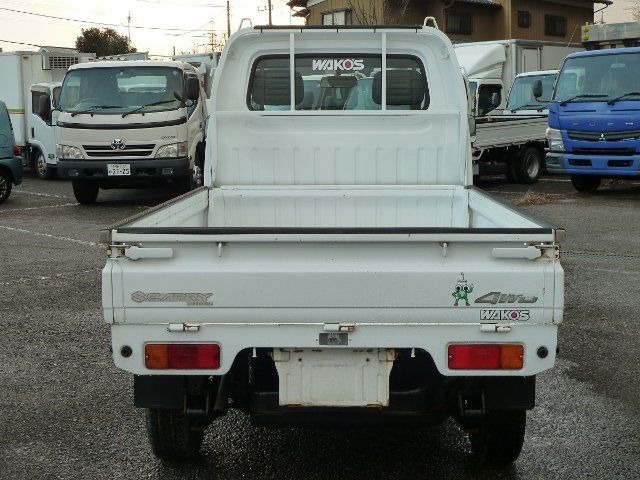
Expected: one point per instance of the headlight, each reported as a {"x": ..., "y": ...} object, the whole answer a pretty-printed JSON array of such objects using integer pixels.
[
  {"x": 174, "y": 150},
  {"x": 67, "y": 151},
  {"x": 554, "y": 138}
]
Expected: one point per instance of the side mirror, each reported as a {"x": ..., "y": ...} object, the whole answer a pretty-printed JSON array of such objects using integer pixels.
[
  {"x": 44, "y": 107},
  {"x": 537, "y": 89},
  {"x": 193, "y": 88},
  {"x": 495, "y": 99}
]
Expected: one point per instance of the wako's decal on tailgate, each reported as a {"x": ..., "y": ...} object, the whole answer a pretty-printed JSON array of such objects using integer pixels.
[
  {"x": 515, "y": 315},
  {"x": 191, "y": 299},
  {"x": 353, "y": 64},
  {"x": 462, "y": 291},
  {"x": 499, "y": 297}
]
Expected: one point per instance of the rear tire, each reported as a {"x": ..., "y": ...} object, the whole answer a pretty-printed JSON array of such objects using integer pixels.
[
  {"x": 498, "y": 440},
  {"x": 85, "y": 192},
  {"x": 173, "y": 436},
  {"x": 40, "y": 167},
  {"x": 526, "y": 167},
  {"x": 585, "y": 183},
  {"x": 5, "y": 185}
]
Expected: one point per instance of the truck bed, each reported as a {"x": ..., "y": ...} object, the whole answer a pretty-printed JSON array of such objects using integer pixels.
[
  {"x": 286, "y": 261},
  {"x": 330, "y": 209},
  {"x": 508, "y": 130}
]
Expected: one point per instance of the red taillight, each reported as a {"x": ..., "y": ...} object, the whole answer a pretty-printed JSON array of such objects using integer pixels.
[
  {"x": 486, "y": 357},
  {"x": 16, "y": 150},
  {"x": 182, "y": 356}
]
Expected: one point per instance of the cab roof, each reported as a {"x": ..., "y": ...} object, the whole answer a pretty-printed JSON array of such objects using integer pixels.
[
  {"x": 609, "y": 51},
  {"x": 134, "y": 63}
]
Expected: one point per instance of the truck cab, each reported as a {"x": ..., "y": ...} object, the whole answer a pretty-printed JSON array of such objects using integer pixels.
[
  {"x": 531, "y": 93},
  {"x": 128, "y": 124},
  {"x": 594, "y": 118},
  {"x": 41, "y": 128}
]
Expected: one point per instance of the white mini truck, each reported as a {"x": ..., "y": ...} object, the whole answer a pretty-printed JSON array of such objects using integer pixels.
[{"x": 338, "y": 266}]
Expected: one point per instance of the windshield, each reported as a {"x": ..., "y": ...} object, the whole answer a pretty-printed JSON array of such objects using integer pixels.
[
  {"x": 121, "y": 89},
  {"x": 521, "y": 96},
  {"x": 601, "y": 76}
]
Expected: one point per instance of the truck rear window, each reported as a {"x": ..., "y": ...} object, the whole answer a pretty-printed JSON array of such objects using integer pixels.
[{"x": 334, "y": 82}]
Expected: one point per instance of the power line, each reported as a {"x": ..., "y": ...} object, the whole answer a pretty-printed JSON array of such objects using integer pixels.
[
  {"x": 93, "y": 23},
  {"x": 20, "y": 43},
  {"x": 181, "y": 4}
]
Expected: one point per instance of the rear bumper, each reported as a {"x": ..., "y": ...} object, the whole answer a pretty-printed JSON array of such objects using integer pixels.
[
  {"x": 15, "y": 167},
  {"x": 601, "y": 165},
  {"x": 152, "y": 169},
  {"x": 418, "y": 394},
  {"x": 434, "y": 339}
]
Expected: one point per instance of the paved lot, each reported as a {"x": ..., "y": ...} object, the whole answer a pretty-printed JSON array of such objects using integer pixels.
[{"x": 66, "y": 412}]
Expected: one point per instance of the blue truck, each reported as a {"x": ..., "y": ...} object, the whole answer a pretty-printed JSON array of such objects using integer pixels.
[{"x": 594, "y": 117}]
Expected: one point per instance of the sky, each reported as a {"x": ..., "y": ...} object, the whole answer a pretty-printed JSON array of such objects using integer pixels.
[{"x": 199, "y": 16}]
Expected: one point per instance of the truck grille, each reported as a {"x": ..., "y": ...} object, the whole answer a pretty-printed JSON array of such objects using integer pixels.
[
  {"x": 605, "y": 151},
  {"x": 128, "y": 151},
  {"x": 604, "y": 137}
]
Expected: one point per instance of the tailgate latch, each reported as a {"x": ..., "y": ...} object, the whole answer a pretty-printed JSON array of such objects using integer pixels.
[
  {"x": 183, "y": 327},
  {"x": 495, "y": 327},
  {"x": 339, "y": 327}
]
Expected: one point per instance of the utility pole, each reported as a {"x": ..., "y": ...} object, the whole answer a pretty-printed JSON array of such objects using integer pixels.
[
  {"x": 269, "y": 7},
  {"x": 228, "y": 20},
  {"x": 129, "y": 27}
]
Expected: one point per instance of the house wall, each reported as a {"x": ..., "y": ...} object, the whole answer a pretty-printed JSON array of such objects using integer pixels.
[
  {"x": 576, "y": 17},
  {"x": 368, "y": 12},
  {"x": 488, "y": 23}
]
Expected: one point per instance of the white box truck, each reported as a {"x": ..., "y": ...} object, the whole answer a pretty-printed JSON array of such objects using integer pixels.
[
  {"x": 205, "y": 65},
  {"x": 130, "y": 124},
  {"x": 510, "y": 138},
  {"x": 338, "y": 266},
  {"x": 26, "y": 77}
]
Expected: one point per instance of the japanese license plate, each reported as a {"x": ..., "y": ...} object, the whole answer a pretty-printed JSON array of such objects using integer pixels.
[
  {"x": 118, "y": 169},
  {"x": 334, "y": 338}
]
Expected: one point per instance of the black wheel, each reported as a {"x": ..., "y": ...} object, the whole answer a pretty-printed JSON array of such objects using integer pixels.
[
  {"x": 173, "y": 435},
  {"x": 85, "y": 192},
  {"x": 526, "y": 167},
  {"x": 585, "y": 183},
  {"x": 5, "y": 185},
  {"x": 40, "y": 167},
  {"x": 498, "y": 440}
]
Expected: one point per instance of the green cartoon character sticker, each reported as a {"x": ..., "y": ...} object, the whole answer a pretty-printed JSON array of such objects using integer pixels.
[{"x": 462, "y": 291}]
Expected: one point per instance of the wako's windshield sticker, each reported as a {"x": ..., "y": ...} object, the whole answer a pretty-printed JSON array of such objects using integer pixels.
[
  {"x": 462, "y": 291},
  {"x": 338, "y": 64}
]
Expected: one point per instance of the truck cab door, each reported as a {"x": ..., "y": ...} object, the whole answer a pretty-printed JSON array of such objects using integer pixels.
[{"x": 40, "y": 132}]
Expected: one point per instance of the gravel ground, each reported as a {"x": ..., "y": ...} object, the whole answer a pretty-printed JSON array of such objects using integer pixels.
[{"x": 67, "y": 412}]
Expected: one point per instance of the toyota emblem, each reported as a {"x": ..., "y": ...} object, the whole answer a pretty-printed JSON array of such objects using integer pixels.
[{"x": 117, "y": 143}]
